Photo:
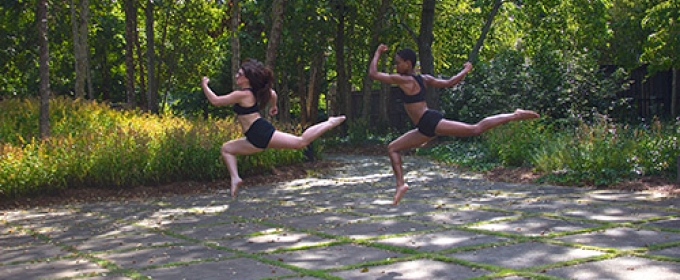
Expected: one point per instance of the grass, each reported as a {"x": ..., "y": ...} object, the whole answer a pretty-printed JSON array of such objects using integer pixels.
[
  {"x": 599, "y": 153},
  {"x": 92, "y": 145}
]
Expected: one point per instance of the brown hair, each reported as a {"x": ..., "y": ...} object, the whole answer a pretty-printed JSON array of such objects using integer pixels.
[{"x": 261, "y": 80}]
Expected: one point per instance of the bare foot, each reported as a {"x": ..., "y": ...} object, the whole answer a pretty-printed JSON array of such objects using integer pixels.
[
  {"x": 526, "y": 114},
  {"x": 235, "y": 184},
  {"x": 399, "y": 193},
  {"x": 335, "y": 121}
]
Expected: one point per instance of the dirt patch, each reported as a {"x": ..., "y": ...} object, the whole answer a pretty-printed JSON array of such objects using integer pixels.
[
  {"x": 526, "y": 175},
  {"x": 512, "y": 175}
]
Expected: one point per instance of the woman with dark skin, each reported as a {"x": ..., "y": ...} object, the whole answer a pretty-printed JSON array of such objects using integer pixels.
[
  {"x": 255, "y": 83},
  {"x": 429, "y": 123}
]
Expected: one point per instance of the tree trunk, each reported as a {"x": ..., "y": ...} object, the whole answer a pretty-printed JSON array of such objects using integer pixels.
[
  {"x": 425, "y": 40},
  {"x": 44, "y": 68},
  {"x": 79, "y": 87},
  {"x": 485, "y": 30},
  {"x": 152, "y": 92},
  {"x": 284, "y": 103},
  {"x": 165, "y": 60},
  {"x": 331, "y": 96},
  {"x": 351, "y": 29},
  {"x": 106, "y": 73},
  {"x": 84, "y": 46},
  {"x": 300, "y": 91},
  {"x": 235, "y": 43},
  {"x": 343, "y": 91},
  {"x": 313, "y": 91},
  {"x": 142, "y": 70},
  {"x": 674, "y": 94},
  {"x": 278, "y": 8},
  {"x": 130, "y": 31},
  {"x": 88, "y": 73},
  {"x": 367, "y": 83}
]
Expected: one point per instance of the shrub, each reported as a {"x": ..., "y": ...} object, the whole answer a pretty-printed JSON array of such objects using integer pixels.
[
  {"x": 596, "y": 153},
  {"x": 95, "y": 146},
  {"x": 471, "y": 154},
  {"x": 511, "y": 143},
  {"x": 561, "y": 86},
  {"x": 657, "y": 149}
]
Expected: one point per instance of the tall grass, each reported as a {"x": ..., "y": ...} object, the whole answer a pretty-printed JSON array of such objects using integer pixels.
[
  {"x": 598, "y": 153},
  {"x": 604, "y": 153},
  {"x": 473, "y": 154},
  {"x": 92, "y": 145}
]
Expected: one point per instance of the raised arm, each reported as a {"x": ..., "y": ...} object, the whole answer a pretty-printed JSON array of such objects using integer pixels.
[
  {"x": 381, "y": 76},
  {"x": 441, "y": 83},
  {"x": 221, "y": 100}
]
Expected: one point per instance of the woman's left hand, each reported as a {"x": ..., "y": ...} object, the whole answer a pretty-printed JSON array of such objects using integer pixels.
[{"x": 273, "y": 110}]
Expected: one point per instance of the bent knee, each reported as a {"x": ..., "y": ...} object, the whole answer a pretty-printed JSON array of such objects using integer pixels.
[
  {"x": 475, "y": 130},
  {"x": 226, "y": 149},
  {"x": 393, "y": 148}
]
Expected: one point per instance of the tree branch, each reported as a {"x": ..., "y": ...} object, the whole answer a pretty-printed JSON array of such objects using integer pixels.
[{"x": 400, "y": 21}]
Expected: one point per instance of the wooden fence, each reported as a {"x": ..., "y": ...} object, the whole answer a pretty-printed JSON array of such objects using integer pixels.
[{"x": 652, "y": 96}]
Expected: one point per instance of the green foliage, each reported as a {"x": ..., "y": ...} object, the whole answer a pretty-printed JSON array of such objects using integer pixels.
[
  {"x": 568, "y": 26},
  {"x": 657, "y": 149},
  {"x": 559, "y": 86},
  {"x": 95, "y": 146},
  {"x": 511, "y": 143},
  {"x": 18, "y": 57},
  {"x": 663, "y": 44},
  {"x": 470, "y": 154},
  {"x": 599, "y": 153},
  {"x": 628, "y": 35},
  {"x": 602, "y": 152},
  {"x": 360, "y": 132}
]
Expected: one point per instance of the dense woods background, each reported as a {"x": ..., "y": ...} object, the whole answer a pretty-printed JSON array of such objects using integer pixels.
[{"x": 540, "y": 54}]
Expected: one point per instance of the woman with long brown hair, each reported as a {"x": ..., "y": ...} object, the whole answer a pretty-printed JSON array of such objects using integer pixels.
[{"x": 255, "y": 82}]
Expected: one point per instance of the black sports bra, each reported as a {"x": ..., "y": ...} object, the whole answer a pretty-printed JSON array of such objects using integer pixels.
[
  {"x": 240, "y": 110},
  {"x": 418, "y": 97}
]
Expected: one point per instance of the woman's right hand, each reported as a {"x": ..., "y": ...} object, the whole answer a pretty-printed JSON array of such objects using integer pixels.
[{"x": 381, "y": 48}]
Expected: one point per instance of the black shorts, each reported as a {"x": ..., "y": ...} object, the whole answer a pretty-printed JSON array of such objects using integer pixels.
[
  {"x": 260, "y": 133},
  {"x": 428, "y": 122}
]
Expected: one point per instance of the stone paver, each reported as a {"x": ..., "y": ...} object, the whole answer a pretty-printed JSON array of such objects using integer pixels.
[
  {"x": 341, "y": 224},
  {"x": 621, "y": 268},
  {"x": 524, "y": 255},
  {"x": 623, "y": 238},
  {"x": 418, "y": 269}
]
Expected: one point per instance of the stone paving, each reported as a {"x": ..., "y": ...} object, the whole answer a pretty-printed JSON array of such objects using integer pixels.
[{"x": 340, "y": 224}]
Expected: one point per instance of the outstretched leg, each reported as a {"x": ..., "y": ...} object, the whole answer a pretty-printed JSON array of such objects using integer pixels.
[
  {"x": 229, "y": 151},
  {"x": 409, "y": 140},
  {"x": 459, "y": 129},
  {"x": 282, "y": 140}
]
